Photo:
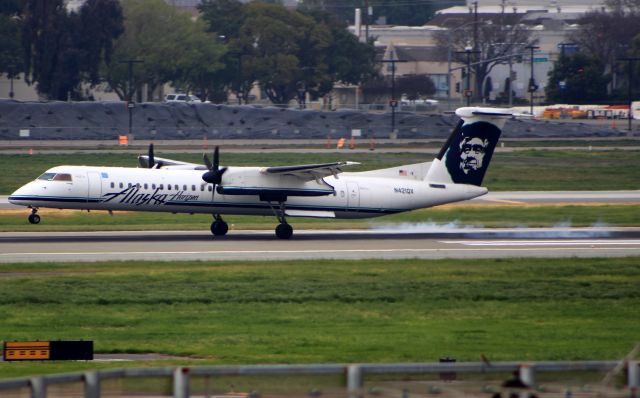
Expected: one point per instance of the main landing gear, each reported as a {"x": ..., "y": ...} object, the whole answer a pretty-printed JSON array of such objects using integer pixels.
[
  {"x": 219, "y": 227},
  {"x": 34, "y": 218},
  {"x": 283, "y": 230}
]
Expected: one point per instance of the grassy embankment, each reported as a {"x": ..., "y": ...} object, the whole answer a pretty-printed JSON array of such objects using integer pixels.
[{"x": 327, "y": 311}]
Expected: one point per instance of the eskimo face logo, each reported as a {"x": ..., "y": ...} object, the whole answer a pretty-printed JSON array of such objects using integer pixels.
[{"x": 472, "y": 150}]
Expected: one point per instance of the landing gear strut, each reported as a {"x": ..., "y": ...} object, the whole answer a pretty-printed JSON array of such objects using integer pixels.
[
  {"x": 34, "y": 218},
  {"x": 283, "y": 230},
  {"x": 219, "y": 227}
]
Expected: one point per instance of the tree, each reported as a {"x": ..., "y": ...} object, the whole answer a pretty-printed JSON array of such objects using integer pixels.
[
  {"x": 605, "y": 34},
  {"x": 415, "y": 86},
  {"x": 491, "y": 40},
  {"x": 577, "y": 79},
  {"x": 348, "y": 60},
  {"x": 63, "y": 49},
  {"x": 101, "y": 23},
  {"x": 11, "y": 62},
  {"x": 174, "y": 48}
]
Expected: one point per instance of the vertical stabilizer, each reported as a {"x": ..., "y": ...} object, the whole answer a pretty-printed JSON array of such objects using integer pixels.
[{"x": 466, "y": 155}]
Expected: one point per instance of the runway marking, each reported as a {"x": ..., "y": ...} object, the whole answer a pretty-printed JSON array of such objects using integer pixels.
[
  {"x": 544, "y": 242},
  {"x": 506, "y": 201},
  {"x": 475, "y": 249}
]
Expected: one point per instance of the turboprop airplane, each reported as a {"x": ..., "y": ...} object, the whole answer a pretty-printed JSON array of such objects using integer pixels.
[{"x": 309, "y": 190}]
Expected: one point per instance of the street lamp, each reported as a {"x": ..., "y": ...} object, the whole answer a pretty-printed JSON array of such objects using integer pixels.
[
  {"x": 467, "y": 92},
  {"x": 130, "y": 104},
  {"x": 533, "y": 87},
  {"x": 393, "y": 103}
]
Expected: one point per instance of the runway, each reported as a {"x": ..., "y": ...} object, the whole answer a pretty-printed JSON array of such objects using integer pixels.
[{"x": 390, "y": 243}]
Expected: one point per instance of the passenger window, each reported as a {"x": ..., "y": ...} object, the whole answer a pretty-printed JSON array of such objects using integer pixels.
[
  {"x": 201, "y": 188},
  {"x": 176, "y": 187},
  {"x": 62, "y": 177},
  {"x": 210, "y": 188},
  {"x": 113, "y": 185},
  {"x": 193, "y": 188},
  {"x": 129, "y": 185},
  {"x": 153, "y": 186},
  {"x": 168, "y": 187},
  {"x": 121, "y": 185},
  {"x": 146, "y": 186},
  {"x": 161, "y": 186},
  {"x": 184, "y": 187}
]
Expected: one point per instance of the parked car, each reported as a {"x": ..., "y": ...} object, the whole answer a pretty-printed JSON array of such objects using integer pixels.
[{"x": 181, "y": 98}]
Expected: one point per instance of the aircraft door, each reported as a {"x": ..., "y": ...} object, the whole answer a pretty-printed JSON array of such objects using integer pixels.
[
  {"x": 94, "y": 181},
  {"x": 353, "y": 195}
]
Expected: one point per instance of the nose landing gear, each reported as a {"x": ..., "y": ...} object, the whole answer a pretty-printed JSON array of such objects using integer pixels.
[
  {"x": 34, "y": 218},
  {"x": 219, "y": 227}
]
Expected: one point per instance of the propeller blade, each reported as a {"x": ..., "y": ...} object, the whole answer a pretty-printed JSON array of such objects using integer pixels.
[
  {"x": 207, "y": 162},
  {"x": 216, "y": 158},
  {"x": 152, "y": 161}
]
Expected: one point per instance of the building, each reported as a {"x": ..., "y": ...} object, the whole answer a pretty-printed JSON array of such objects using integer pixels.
[{"x": 550, "y": 22}]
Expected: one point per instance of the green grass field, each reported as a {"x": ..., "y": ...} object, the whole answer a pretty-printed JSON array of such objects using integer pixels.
[
  {"x": 481, "y": 216},
  {"x": 327, "y": 311},
  {"x": 525, "y": 170}
]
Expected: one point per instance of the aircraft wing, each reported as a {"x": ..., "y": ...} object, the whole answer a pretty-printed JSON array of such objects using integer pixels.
[{"x": 309, "y": 172}]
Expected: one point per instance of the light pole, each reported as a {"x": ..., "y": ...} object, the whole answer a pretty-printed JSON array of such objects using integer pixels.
[
  {"x": 467, "y": 92},
  {"x": 533, "y": 87},
  {"x": 130, "y": 90},
  {"x": 393, "y": 103},
  {"x": 630, "y": 88},
  {"x": 449, "y": 54}
]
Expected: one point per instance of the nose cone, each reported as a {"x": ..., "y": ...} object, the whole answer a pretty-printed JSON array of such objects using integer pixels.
[{"x": 20, "y": 196}]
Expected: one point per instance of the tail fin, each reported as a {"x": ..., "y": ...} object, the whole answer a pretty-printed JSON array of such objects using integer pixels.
[{"x": 466, "y": 155}]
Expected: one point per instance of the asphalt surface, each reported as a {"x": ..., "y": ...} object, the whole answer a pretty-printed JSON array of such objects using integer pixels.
[{"x": 401, "y": 242}]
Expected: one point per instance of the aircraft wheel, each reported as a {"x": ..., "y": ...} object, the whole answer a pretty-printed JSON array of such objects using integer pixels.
[
  {"x": 219, "y": 228},
  {"x": 34, "y": 218},
  {"x": 284, "y": 231}
]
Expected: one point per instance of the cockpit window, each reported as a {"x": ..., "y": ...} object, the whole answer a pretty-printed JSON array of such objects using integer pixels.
[
  {"x": 55, "y": 177},
  {"x": 62, "y": 177},
  {"x": 47, "y": 176}
]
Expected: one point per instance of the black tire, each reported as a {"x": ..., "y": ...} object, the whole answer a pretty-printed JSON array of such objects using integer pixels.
[
  {"x": 284, "y": 231},
  {"x": 219, "y": 228},
  {"x": 34, "y": 219}
]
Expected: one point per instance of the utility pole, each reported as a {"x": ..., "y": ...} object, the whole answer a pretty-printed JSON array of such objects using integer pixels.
[
  {"x": 366, "y": 21},
  {"x": 630, "y": 88},
  {"x": 393, "y": 103},
  {"x": 130, "y": 90},
  {"x": 533, "y": 87},
  {"x": 468, "y": 92}
]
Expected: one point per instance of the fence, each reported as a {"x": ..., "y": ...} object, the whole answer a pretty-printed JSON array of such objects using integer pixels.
[{"x": 355, "y": 374}]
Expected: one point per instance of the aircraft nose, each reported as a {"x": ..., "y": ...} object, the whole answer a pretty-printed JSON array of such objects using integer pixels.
[{"x": 19, "y": 196}]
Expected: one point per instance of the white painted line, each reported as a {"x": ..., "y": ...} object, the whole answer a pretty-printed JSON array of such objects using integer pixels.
[
  {"x": 544, "y": 242},
  {"x": 40, "y": 254}
]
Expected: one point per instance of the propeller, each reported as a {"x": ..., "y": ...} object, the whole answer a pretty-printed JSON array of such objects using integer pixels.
[
  {"x": 214, "y": 175},
  {"x": 151, "y": 161}
]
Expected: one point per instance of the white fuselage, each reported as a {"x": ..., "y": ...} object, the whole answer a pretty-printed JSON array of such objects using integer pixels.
[{"x": 355, "y": 195}]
